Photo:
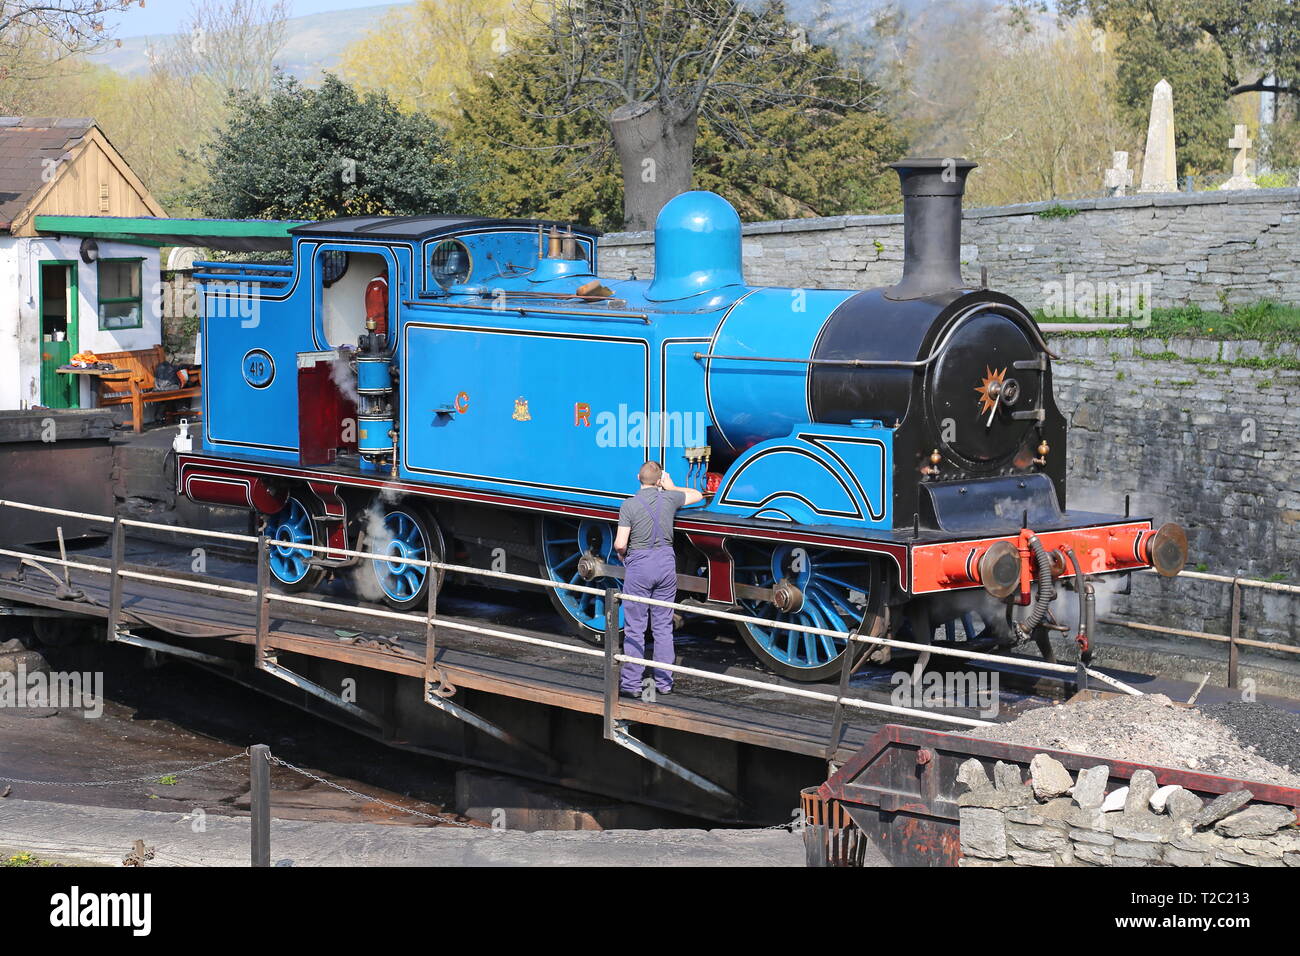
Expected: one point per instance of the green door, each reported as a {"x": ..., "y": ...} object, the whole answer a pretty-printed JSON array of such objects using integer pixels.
[{"x": 58, "y": 307}]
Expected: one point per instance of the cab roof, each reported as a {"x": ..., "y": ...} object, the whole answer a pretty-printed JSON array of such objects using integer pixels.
[{"x": 426, "y": 227}]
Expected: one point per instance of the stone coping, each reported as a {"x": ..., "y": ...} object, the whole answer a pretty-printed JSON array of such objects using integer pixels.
[{"x": 1207, "y": 197}]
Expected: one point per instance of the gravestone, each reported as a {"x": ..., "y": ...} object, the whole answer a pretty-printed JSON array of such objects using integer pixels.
[
  {"x": 1242, "y": 168},
  {"x": 1119, "y": 177},
  {"x": 1160, "y": 162}
]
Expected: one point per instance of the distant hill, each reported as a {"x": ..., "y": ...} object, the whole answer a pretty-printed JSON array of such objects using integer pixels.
[{"x": 312, "y": 43}]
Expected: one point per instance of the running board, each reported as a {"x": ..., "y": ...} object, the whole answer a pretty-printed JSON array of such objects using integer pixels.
[
  {"x": 466, "y": 716},
  {"x": 639, "y": 747}
]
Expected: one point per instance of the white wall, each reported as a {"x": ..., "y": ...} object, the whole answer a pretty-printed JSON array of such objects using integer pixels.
[{"x": 20, "y": 322}]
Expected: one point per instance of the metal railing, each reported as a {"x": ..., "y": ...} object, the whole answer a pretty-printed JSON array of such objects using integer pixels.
[
  {"x": 613, "y": 658},
  {"x": 1233, "y": 638}
]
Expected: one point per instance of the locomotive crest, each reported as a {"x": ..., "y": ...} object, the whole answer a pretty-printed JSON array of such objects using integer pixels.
[{"x": 521, "y": 411}]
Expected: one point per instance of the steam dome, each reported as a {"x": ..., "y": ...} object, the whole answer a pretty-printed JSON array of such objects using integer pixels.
[{"x": 697, "y": 247}]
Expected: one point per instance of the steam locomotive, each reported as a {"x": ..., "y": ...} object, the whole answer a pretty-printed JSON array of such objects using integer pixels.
[{"x": 471, "y": 390}]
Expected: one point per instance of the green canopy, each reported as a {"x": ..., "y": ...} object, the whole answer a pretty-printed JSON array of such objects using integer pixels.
[{"x": 230, "y": 235}]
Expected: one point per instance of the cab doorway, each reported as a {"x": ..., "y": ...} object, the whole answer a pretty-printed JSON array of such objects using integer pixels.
[{"x": 58, "y": 311}]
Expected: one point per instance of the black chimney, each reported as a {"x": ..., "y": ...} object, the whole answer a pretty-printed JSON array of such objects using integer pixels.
[{"x": 932, "y": 191}]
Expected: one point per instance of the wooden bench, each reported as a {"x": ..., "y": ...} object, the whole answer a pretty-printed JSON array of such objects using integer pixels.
[{"x": 138, "y": 389}]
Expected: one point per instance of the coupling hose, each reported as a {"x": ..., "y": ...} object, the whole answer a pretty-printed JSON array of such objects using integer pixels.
[{"x": 1046, "y": 592}]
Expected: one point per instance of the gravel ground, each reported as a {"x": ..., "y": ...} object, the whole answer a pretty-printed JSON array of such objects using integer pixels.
[
  {"x": 1274, "y": 733},
  {"x": 1151, "y": 729}
]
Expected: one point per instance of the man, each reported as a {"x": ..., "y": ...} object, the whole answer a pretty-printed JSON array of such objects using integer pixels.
[{"x": 645, "y": 543}]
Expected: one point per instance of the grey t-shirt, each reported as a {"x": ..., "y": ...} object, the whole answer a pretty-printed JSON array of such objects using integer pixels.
[{"x": 635, "y": 513}]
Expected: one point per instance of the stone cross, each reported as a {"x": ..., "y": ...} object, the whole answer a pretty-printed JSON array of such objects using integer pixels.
[
  {"x": 1160, "y": 163},
  {"x": 1119, "y": 177},
  {"x": 1242, "y": 168}
]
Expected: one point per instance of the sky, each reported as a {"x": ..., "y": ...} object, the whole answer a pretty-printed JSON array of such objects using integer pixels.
[{"x": 169, "y": 16}]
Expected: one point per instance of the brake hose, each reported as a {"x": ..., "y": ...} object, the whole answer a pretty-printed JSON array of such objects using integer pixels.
[
  {"x": 1046, "y": 593},
  {"x": 1083, "y": 639}
]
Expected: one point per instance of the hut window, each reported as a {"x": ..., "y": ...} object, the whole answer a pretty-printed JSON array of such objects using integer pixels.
[{"x": 120, "y": 304}]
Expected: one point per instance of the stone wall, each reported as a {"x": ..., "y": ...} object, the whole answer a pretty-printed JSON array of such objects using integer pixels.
[
  {"x": 1057, "y": 820},
  {"x": 1203, "y": 433},
  {"x": 1206, "y": 247}
]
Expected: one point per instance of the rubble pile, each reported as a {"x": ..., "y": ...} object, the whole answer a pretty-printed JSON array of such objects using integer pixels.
[{"x": 1249, "y": 742}]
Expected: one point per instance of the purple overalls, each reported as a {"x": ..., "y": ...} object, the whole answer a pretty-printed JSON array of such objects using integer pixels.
[{"x": 652, "y": 573}]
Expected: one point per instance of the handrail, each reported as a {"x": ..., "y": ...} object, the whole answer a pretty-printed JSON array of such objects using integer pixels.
[
  {"x": 588, "y": 589},
  {"x": 245, "y": 266}
]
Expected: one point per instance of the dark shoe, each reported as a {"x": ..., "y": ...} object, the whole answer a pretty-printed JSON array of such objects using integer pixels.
[
  {"x": 663, "y": 691},
  {"x": 629, "y": 695}
]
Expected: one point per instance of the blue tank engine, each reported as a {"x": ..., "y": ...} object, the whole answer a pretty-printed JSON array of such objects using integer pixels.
[{"x": 882, "y": 461}]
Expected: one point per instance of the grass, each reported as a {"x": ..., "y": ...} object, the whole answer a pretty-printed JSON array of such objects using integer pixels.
[
  {"x": 1264, "y": 321},
  {"x": 24, "y": 859},
  {"x": 1058, "y": 212}
]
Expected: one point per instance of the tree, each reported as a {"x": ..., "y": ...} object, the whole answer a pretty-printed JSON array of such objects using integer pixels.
[
  {"x": 299, "y": 153},
  {"x": 652, "y": 73},
  {"x": 76, "y": 26},
  {"x": 780, "y": 131},
  {"x": 38, "y": 36},
  {"x": 422, "y": 52},
  {"x": 178, "y": 102},
  {"x": 1054, "y": 137},
  {"x": 1209, "y": 50},
  {"x": 1254, "y": 40}
]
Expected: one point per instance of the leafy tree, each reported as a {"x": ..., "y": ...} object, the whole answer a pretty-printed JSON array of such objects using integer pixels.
[
  {"x": 299, "y": 153},
  {"x": 419, "y": 53},
  {"x": 1054, "y": 138},
  {"x": 1209, "y": 50},
  {"x": 1257, "y": 42},
  {"x": 179, "y": 101},
  {"x": 42, "y": 40},
  {"x": 655, "y": 73},
  {"x": 780, "y": 133},
  {"x": 1202, "y": 119}
]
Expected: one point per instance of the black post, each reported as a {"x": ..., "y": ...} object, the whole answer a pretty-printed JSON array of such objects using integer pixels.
[
  {"x": 259, "y": 775},
  {"x": 263, "y": 603},
  {"x": 611, "y": 665},
  {"x": 115, "y": 584},
  {"x": 1234, "y": 634}
]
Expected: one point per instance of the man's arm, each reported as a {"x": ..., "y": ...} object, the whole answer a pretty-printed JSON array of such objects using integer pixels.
[
  {"x": 692, "y": 496},
  {"x": 624, "y": 531}
]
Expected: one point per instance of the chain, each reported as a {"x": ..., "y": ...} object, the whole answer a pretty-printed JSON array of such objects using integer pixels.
[
  {"x": 148, "y": 778},
  {"x": 436, "y": 817}
]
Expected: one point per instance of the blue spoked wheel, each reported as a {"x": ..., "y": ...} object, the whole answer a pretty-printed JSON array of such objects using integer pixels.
[
  {"x": 403, "y": 532},
  {"x": 565, "y": 542},
  {"x": 291, "y": 565},
  {"x": 819, "y": 588}
]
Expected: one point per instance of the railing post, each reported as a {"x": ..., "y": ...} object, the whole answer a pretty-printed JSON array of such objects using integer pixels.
[
  {"x": 846, "y": 670},
  {"x": 1234, "y": 633},
  {"x": 263, "y": 604},
  {"x": 430, "y": 647},
  {"x": 611, "y": 665},
  {"x": 115, "y": 582},
  {"x": 259, "y": 806}
]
